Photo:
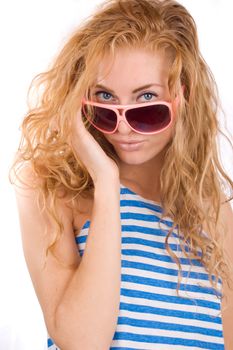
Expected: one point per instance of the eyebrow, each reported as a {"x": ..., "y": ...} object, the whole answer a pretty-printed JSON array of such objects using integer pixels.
[{"x": 134, "y": 91}]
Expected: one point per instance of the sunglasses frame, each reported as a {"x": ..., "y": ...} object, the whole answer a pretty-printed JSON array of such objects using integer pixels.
[{"x": 124, "y": 109}]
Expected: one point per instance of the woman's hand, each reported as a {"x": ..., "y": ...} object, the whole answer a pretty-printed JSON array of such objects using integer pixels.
[{"x": 87, "y": 149}]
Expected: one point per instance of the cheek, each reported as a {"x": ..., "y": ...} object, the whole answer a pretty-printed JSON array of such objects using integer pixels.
[
  {"x": 162, "y": 138},
  {"x": 107, "y": 137}
]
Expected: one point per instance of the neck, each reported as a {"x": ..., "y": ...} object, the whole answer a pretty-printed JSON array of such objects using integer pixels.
[{"x": 144, "y": 178}]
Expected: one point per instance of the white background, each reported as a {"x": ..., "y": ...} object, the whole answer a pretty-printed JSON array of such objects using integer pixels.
[{"x": 31, "y": 33}]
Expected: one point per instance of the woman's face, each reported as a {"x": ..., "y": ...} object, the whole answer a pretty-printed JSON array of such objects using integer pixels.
[{"x": 146, "y": 72}]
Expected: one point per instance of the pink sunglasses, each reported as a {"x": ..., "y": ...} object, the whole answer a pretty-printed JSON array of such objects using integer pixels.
[{"x": 143, "y": 118}]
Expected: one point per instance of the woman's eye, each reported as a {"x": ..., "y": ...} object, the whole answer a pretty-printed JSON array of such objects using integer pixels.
[
  {"x": 103, "y": 95},
  {"x": 149, "y": 95}
]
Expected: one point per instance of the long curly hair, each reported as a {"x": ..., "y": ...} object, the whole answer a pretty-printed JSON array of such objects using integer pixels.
[{"x": 192, "y": 177}]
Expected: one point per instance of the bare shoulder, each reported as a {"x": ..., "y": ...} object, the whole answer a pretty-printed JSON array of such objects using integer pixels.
[
  {"x": 27, "y": 190},
  {"x": 37, "y": 232},
  {"x": 226, "y": 222},
  {"x": 37, "y": 228},
  {"x": 226, "y": 219},
  {"x": 225, "y": 227}
]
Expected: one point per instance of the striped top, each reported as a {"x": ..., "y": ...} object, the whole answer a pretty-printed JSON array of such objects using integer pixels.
[{"x": 151, "y": 315}]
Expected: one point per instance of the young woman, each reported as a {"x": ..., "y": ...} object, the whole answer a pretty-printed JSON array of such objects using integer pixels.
[{"x": 126, "y": 230}]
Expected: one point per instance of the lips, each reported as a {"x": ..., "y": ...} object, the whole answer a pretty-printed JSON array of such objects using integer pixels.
[
  {"x": 130, "y": 146},
  {"x": 127, "y": 142}
]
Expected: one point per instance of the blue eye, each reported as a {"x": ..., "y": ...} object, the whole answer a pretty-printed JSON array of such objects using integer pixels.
[
  {"x": 148, "y": 96},
  {"x": 105, "y": 95}
]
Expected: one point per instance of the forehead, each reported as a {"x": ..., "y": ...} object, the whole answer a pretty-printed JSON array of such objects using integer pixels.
[{"x": 133, "y": 67}]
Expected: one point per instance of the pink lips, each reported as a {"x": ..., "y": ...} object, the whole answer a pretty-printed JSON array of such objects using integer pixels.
[
  {"x": 129, "y": 146},
  {"x": 124, "y": 141}
]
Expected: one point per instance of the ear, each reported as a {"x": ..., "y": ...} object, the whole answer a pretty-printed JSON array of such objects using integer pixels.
[
  {"x": 183, "y": 89},
  {"x": 176, "y": 101}
]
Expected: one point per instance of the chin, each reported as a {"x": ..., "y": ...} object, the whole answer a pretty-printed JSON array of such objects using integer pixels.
[{"x": 135, "y": 158}]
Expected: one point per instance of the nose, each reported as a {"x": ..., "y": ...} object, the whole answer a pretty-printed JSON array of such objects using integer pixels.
[{"x": 123, "y": 128}]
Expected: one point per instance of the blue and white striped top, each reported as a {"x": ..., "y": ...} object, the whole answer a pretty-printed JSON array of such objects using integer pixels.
[{"x": 151, "y": 315}]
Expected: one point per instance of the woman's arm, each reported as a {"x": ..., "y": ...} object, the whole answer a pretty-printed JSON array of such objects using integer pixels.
[
  {"x": 227, "y": 306},
  {"x": 80, "y": 304}
]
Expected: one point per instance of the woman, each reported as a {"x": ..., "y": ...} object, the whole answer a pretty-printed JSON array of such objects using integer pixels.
[{"x": 124, "y": 223}]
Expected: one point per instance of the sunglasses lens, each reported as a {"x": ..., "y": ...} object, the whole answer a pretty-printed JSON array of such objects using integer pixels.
[
  {"x": 102, "y": 118},
  {"x": 146, "y": 119},
  {"x": 149, "y": 118}
]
